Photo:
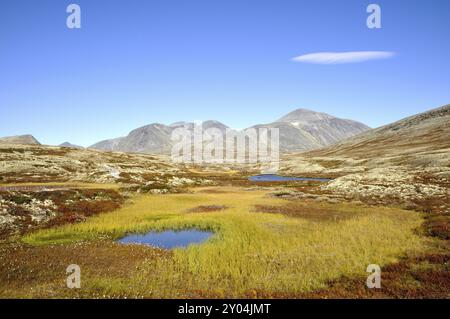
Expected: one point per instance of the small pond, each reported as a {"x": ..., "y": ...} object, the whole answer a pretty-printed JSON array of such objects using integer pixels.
[
  {"x": 278, "y": 178},
  {"x": 168, "y": 239}
]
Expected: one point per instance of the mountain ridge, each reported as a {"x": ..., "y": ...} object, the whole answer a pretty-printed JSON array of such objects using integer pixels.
[
  {"x": 422, "y": 133},
  {"x": 301, "y": 129}
]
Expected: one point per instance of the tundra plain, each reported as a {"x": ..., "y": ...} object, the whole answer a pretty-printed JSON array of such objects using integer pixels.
[{"x": 388, "y": 204}]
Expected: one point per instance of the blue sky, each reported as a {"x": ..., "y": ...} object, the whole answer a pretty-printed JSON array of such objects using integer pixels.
[{"x": 137, "y": 62}]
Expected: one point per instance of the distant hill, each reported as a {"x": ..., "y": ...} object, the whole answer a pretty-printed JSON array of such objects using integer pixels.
[
  {"x": 299, "y": 130},
  {"x": 20, "y": 139},
  {"x": 67, "y": 144},
  {"x": 425, "y": 136}
]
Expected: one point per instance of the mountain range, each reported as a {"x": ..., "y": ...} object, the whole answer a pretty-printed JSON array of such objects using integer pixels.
[
  {"x": 299, "y": 130},
  {"x": 421, "y": 140}
]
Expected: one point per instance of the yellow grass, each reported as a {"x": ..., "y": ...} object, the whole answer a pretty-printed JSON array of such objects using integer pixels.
[{"x": 250, "y": 250}]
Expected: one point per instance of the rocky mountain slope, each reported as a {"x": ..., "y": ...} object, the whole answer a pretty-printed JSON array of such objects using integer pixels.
[
  {"x": 406, "y": 162},
  {"x": 304, "y": 129},
  {"x": 299, "y": 130},
  {"x": 414, "y": 136},
  {"x": 422, "y": 140},
  {"x": 20, "y": 139}
]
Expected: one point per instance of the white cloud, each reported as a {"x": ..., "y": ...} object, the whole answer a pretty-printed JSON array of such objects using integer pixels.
[{"x": 342, "y": 57}]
